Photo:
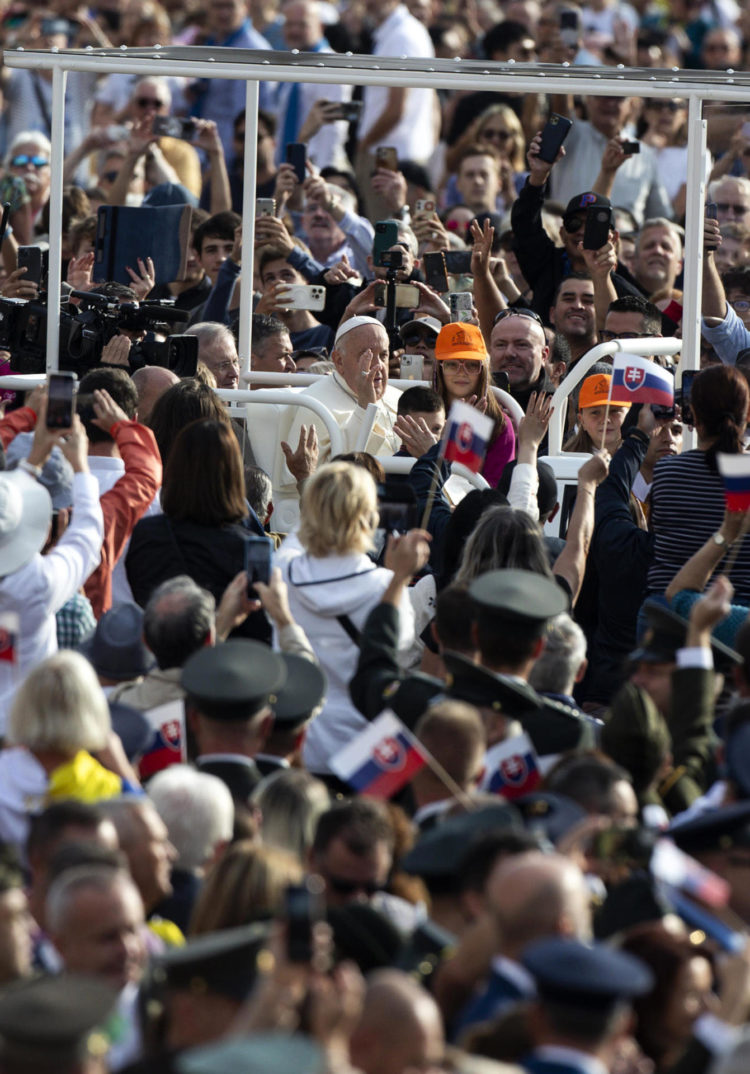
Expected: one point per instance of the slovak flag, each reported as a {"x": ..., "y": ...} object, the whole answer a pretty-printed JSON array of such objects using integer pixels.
[
  {"x": 637, "y": 380},
  {"x": 467, "y": 434},
  {"x": 381, "y": 759},
  {"x": 511, "y": 768},
  {"x": 735, "y": 473}
]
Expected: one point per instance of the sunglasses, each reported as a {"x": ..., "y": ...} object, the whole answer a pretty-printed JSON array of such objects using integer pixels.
[
  {"x": 149, "y": 102},
  {"x": 667, "y": 106},
  {"x": 411, "y": 339},
  {"x": 726, "y": 206},
  {"x": 608, "y": 336},
  {"x": 352, "y": 887},
  {"x": 520, "y": 311},
  {"x": 23, "y": 159}
]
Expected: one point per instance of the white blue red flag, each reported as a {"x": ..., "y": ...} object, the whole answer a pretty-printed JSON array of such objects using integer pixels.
[
  {"x": 511, "y": 768},
  {"x": 467, "y": 434},
  {"x": 637, "y": 380},
  {"x": 735, "y": 473},
  {"x": 381, "y": 759}
]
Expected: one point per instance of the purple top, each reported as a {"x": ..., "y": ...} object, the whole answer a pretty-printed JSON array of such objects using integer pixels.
[{"x": 499, "y": 454}]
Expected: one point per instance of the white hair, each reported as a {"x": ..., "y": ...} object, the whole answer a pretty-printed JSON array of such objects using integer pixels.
[
  {"x": 60, "y": 705},
  {"x": 565, "y": 650},
  {"x": 197, "y": 809},
  {"x": 743, "y": 185},
  {"x": 210, "y": 333},
  {"x": 63, "y": 891},
  {"x": 41, "y": 141}
]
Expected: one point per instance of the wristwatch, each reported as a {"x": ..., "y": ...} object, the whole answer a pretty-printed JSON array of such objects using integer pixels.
[{"x": 720, "y": 539}]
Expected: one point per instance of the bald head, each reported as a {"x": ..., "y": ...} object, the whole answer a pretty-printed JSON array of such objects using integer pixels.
[
  {"x": 536, "y": 895},
  {"x": 151, "y": 382},
  {"x": 400, "y": 1026}
]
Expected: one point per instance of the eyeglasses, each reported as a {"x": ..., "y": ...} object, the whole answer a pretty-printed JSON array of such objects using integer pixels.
[
  {"x": 452, "y": 365},
  {"x": 667, "y": 106},
  {"x": 741, "y": 305},
  {"x": 149, "y": 102},
  {"x": 352, "y": 887},
  {"x": 518, "y": 311},
  {"x": 411, "y": 339},
  {"x": 23, "y": 159},
  {"x": 502, "y": 136},
  {"x": 109, "y": 177},
  {"x": 609, "y": 336},
  {"x": 726, "y": 206}
]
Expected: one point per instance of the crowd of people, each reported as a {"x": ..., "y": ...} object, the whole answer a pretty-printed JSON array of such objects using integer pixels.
[{"x": 309, "y": 766}]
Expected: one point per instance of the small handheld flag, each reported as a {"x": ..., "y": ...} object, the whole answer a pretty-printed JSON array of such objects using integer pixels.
[
  {"x": 467, "y": 434},
  {"x": 511, "y": 768},
  {"x": 381, "y": 759},
  {"x": 735, "y": 473},
  {"x": 637, "y": 380},
  {"x": 9, "y": 630}
]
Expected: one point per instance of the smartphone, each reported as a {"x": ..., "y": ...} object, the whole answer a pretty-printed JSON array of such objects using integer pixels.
[
  {"x": 386, "y": 156},
  {"x": 258, "y": 555},
  {"x": 425, "y": 205},
  {"x": 555, "y": 132},
  {"x": 435, "y": 271},
  {"x": 386, "y": 235},
  {"x": 303, "y": 908},
  {"x": 296, "y": 155},
  {"x": 304, "y": 296},
  {"x": 458, "y": 262},
  {"x": 397, "y": 503},
  {"x": 350, "y": 110},
  {"x": 32, "y": 259},
  {"x": 174, "y": 127},
  {"x": 596, "y": 231},
  {"x": 629, "y": 148},
  {"x": 685, "y": 395},
  {"x": 712, "y": 210},
  {"x": 61, "y": 390},
  {"x": 460, "y": 302},
  {"x": 501, "y": 380},
  {"x": 412, "y": 367},
  {"x": 407, "y": 296},
  {"x": 265, "y": 207},
  {"x": 570, "y": 26}
]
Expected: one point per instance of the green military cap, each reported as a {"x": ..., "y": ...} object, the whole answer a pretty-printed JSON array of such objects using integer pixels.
[
  {"x": 364, "y": 935},
  {"x": 48, "y": 1020},
  {"x": 716, "y": 829},
  {"x": 262, "y": 1053},
  {"x": 305, "y": 687},
  {"x": 440, "y": 851},
  {"x": 524, "y": 600},
  {"x": 223, "y": 962},
  {"x": 233, "y": 680},
  {"x": 667, "y": 632},
  {"x": 549, "y": 815}
]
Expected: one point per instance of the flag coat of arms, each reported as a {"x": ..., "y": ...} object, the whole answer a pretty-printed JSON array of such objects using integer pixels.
[
  {"x": 381, "y": 759},
  {"x": 511, "y": 768},
  {"x": 10, "y": 626},
  {"x": 467, "y": 434},
  {"x": 735, "y": 473},
  {"x": 637, "y": 380}
]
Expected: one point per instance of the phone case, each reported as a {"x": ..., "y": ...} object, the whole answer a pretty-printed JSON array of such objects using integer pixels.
[{"x": 553, "y": 136}]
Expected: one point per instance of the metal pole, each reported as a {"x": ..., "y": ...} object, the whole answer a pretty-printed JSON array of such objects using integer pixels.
[
  {"x": 248, "y": 221},
  {"x": 57, "y": 159}
]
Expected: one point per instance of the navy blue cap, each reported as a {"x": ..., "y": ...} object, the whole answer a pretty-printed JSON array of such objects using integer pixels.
[
  {"x": 716, "y": 829},
  {"x": 116, "y": 648},
  {"x": 440, "y": 851},
  {"x": 577, "y": 974}
]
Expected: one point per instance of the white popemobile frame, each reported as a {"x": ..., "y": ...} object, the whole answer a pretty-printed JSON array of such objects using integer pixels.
[{"x": 253, "y": 67}]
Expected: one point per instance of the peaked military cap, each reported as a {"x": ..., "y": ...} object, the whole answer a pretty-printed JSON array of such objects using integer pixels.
[{"x": 233, "y": 680}]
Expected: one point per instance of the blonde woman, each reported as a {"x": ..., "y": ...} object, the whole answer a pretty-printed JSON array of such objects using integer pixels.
[
  {"x": 498, "y": 126},
  {"x": 333, "y": 585},
  {"x": 247, "y": 884}
]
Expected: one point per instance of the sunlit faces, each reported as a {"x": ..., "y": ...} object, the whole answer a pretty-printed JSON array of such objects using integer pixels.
[
  {"x": 273, "y": 355},
  {"x": 461, "y": 376},
  {"x": 518, "y": 347},
  {"x": 478, "y": 182},
  {"x": 658, "y": 257},
  {"x": 351, "y": 359},
  {"x": 573, "y": 312},
  {"x": 213, "y": 254}
]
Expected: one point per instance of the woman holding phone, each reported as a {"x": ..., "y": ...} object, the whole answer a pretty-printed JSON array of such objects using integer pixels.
[{"x": 462, "y": 373}]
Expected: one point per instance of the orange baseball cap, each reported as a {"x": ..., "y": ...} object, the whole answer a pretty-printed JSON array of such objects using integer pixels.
[
  {"x": 595, "y": 392},
  {"x": 459, "y": 340}
]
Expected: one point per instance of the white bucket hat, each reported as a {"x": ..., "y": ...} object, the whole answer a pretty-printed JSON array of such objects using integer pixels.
[{"x": 25, "y": 516}]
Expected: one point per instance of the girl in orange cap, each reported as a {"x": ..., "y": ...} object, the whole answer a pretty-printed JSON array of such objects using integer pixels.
[{"x": 592, "y": 413}]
